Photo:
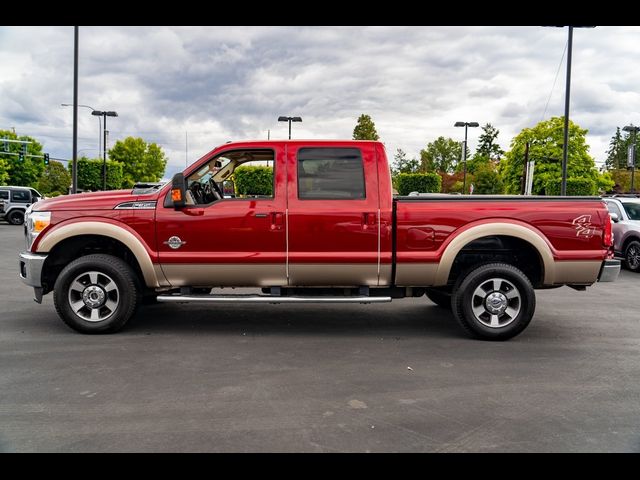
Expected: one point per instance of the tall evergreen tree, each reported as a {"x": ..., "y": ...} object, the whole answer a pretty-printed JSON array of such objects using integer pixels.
[
  {"x": 487, "y": 145},
  {"x": 617, "y": 152},
  {"x": 365, "y": 129},
  {"x": 401, "y": 164}
]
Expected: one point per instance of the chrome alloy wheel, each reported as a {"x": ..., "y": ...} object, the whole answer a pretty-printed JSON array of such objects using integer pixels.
[
  {"x": 633, "y": 257},
  {"x": 496, "y": 302},
  {"x": 93, "y": 296}
]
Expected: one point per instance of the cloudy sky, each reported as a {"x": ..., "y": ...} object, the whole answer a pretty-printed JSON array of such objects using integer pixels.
[{"x": 231, "y": 83}]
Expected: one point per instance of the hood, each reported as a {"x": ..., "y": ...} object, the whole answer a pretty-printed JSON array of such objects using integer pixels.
[{"x": 87, "y": 201}]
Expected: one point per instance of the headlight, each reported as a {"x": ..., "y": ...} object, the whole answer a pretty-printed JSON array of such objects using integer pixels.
[{"x": 35, "y": 223}]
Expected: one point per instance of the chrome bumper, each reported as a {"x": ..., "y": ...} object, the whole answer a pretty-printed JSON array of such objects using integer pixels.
[
  {"x": 31, "y": 272},
  {"x": 609, "y": 271}
]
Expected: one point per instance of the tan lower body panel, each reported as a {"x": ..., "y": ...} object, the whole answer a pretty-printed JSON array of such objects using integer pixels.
[
  {"x": 416, "y": 274},
  {"x": 266, "y": 275},
  {"x": 578, "y": 272},
  {"x": 333, "y": 274},
  {"x": 225, "y": 274}
]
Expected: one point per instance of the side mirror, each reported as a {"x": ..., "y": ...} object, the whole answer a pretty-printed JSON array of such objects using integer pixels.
[
  {"x": 178, "y": 191},
  {"x": 229, "y": 189},
  {"x": 614, "y": 217}
]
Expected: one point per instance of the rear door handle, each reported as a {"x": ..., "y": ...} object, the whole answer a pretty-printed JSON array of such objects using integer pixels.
[
  {"x": 369, "y": 220},
  {"x": 277, "y": 220},
  {"x": 261, "y": 215}
]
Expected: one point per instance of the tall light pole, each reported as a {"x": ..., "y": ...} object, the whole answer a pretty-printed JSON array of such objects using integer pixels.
[
  {"x": 464, "y": 150},
  {"x": 289, "y": 119},
  {"x": 567, "y": 97},
  {"x": 74, "y": 168},
  {"x": 634, "y": 130},
  {"x": 99, "y": 122},
  {"x": 104, "y": 115}
]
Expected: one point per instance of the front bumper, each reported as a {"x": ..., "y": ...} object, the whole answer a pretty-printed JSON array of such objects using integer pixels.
[
  {"x": 31, "y": 265},
  {"x": 609, "y": 271}
]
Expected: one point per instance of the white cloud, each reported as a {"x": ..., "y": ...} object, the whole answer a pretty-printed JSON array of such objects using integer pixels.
[{"x": 231, "y": 83}]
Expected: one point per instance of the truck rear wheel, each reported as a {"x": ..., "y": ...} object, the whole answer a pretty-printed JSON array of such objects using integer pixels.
[
  {"x": 96, "y": 294},
  {"x": 494, "y": 301}
]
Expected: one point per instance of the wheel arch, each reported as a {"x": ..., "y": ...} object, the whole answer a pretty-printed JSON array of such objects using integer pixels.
[
  {"x": 101, "y": 234},
  {"x": 496, "y": 229}
]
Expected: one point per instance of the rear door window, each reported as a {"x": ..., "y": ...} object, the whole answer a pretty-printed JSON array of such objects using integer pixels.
[{"x": 330, "y": 174}]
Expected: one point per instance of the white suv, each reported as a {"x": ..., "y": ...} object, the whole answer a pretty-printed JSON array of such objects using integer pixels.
[
  {"x": 14, "y": 202},
  {"x": 625, "y": 213}
]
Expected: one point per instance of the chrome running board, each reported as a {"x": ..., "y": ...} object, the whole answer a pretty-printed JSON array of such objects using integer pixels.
[{"x": 266, "y": 299}]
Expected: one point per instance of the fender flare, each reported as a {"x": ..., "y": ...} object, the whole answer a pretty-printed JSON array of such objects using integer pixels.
[
  {"x": 511, "y": 229},
  {"x": 131, "y": 241}
]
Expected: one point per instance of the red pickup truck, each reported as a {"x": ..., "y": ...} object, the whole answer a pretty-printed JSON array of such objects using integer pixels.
[{"x": 326, "y": 229}]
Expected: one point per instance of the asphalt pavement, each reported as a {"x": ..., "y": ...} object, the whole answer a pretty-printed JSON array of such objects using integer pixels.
[{"x": 398, "y": 377}]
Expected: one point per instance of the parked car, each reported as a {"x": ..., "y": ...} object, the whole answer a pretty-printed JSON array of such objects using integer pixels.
[
  {"x": 625, "y": 213},
  {"x": 14, "y": 202}
]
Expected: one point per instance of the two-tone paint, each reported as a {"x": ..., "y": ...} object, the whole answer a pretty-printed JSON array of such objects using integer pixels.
[{"x": 377, "y": 241}]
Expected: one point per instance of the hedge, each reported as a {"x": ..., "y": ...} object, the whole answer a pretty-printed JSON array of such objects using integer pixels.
[
  {"x": 90, "y": 174},
  {"x": 253, "y": 180},
  {"x": 575, "y": 186},
  {"x": 418, "y": 182}
]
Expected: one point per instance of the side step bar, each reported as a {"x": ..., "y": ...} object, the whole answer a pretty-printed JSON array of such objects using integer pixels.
[{"x": 267, "y": 299}]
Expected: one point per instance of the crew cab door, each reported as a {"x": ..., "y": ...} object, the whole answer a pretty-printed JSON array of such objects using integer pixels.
[
  {"x": 229, "y": 241},
  {"x": 333, "y": 215}
]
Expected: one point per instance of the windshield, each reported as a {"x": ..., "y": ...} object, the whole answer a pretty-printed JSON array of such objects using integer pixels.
[{"x": 633, "y": 210}]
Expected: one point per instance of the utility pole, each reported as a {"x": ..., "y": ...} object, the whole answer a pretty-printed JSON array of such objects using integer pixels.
[{"x": 74, "y": 169}]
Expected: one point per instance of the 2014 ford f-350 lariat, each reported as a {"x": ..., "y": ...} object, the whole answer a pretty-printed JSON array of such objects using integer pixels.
[{"x": 327, "y": 229}]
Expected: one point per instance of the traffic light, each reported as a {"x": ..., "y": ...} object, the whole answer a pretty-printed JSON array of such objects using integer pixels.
[{"x": 46, "y": 159}]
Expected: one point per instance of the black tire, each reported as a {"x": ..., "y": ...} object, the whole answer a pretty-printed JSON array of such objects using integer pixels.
[
  {"x": 440, "y": 297},
  {"x": 97, "y": 271},
  {"x": 505, "y": 307},
  {"x": 16, "y": 217},
  {"x": 632, "y": 256}
]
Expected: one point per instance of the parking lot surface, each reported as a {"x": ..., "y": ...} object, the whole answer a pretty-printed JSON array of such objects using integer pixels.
[{"x": 400, "y": 377}]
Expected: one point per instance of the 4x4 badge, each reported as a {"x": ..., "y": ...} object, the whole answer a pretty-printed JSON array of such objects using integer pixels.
[{"x": 174, "y": 242}]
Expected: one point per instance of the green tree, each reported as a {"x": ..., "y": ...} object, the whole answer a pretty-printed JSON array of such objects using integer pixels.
[
  {"x": 401, "y": 164},
  {"x": 90, "y": 174},
  {"x": 487, "y": 145},
  {"x": 4, "y": 171},
  {"x": 617, "y": 152},
  {"x": 24, "y": 172},
  {"x": 442, "y": 155},
  {"x": 55, "y": 179},
  {"x": 545, "y": 147},
  {"x": 487, "y": 181},
  {"x": 365, "y": 129},
  {"x": 142, "y": 161}
]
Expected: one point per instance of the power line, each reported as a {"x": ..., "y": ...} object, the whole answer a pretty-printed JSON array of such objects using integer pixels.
[{"x": 554, "y": 81}]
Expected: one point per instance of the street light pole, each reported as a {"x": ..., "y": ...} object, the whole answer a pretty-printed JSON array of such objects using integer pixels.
[
  {"x": 104, "y": 115},
  {"x": 464, "y": 151},
  {"x": 289, "y": 119}
]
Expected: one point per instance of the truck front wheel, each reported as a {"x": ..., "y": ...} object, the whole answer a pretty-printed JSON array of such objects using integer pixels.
[
  {"x": 494, "y": 301},
  {"x": 96, "y": 294}
]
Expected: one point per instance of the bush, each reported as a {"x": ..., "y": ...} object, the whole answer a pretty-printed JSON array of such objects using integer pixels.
[
  {"x": 487, "y": 182},
  {"x": 253, "y": 180},
  {"x": 418, "y": 182},
  {"x": 575, "y": 186},
  {"x": 90, "y": 174}
]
